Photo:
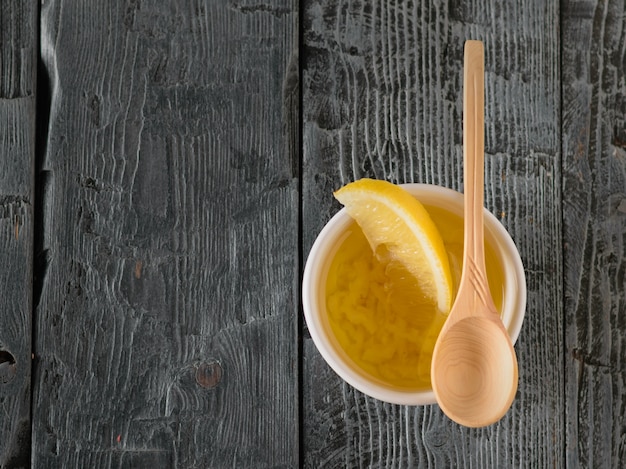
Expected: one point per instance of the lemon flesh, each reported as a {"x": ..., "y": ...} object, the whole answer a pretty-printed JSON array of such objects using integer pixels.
[{"x": 398, "y": 226}]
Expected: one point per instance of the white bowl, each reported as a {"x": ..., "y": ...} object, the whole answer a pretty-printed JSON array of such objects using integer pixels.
[{"x": 314, "y": 294}]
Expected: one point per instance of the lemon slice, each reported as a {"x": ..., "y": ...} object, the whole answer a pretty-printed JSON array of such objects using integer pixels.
[{"x": 392, "y": 219}]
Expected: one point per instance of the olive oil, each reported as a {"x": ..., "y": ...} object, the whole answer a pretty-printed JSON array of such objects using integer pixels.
[{"x": 378, "y": 314}]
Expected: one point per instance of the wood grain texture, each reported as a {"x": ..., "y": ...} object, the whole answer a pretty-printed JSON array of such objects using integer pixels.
[
  {"x": 382, "y": 98},
  {"x": 18, "y": 65},
  {"x": 594, "y": 229},
  {"x": 167, "y": 324}
]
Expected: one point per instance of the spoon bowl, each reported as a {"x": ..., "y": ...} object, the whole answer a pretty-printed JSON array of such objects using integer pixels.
[{"x": 475, "y": 372}]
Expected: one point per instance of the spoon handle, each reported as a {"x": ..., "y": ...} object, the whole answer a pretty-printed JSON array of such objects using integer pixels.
[{"x": 474, "y": 167}]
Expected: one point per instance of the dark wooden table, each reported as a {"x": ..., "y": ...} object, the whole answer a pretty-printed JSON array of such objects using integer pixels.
[{"x": 166, "y": 165}]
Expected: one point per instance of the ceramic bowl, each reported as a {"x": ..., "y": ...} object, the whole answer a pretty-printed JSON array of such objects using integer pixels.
[{"x": 314, "y": 294}]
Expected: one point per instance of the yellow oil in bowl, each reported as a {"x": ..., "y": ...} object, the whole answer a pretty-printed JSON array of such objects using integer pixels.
[{"x": 378, "y": 314}]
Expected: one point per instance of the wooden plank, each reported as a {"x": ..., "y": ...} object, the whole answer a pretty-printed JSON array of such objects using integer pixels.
[
  {"x": 594, "y": 201},
  {"x": 167, "y": 325},
  {"x": 18, "y": 65},
  {"x": 382, "y": 98}
]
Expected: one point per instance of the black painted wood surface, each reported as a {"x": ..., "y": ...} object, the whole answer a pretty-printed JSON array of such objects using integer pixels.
[
  {"x": 167, "y": 325},
  {"x": 18, "y": 63},
  {"x": 187, "y": 154},
  {"x": 594, "y": 231},
  {"x": 382, "y": 98}
]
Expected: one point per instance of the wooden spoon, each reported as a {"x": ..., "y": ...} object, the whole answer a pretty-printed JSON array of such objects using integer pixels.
[{"x": 474, "y": 368}]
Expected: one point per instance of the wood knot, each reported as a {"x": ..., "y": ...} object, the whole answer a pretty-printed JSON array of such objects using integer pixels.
[
  {"x": 209, "y": 375},
  {"x": 8, "y": 367}
]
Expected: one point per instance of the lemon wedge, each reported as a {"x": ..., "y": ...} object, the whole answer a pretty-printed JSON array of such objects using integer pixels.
[{"x": 396, "y": 223}]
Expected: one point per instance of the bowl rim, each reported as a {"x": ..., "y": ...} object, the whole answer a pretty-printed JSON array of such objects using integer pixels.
[{"x": 325, "y": 246}]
